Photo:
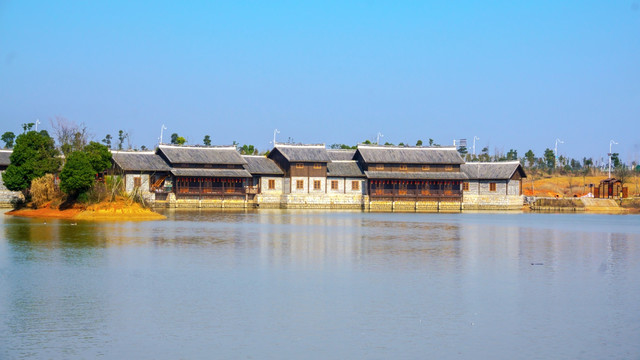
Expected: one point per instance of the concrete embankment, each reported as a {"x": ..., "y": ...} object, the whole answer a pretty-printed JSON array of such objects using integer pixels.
[{"x": 577, "y": 205}]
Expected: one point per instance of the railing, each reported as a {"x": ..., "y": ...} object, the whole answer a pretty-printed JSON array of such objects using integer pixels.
[
  {"x": 400, "y": 194},
  {"x": 205, "y": 192}
]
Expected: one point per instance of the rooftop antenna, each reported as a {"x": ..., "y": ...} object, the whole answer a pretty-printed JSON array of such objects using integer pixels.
[
  {"x": 37, "y": 122},
  {"x": 274, "y": 136},
  {"x": 378, "y": 139},
  {"x": 161, "y": 130},
  {"x": 611, "y": 143},
  {"x": 474, "y": 144},
  {"x": 556, "y": 149}
]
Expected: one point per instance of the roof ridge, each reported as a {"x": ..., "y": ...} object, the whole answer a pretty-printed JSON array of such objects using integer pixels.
[
  {"x": 229, "y": 147},
  {"x": 407, "y": 147},
  {"x": 492, "y": 162},
  {"x": 132, "y": 152},
  {"x": 302, "y": 145}
]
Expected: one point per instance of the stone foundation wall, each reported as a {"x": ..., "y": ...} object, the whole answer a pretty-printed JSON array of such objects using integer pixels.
[
  {"x": 492, "y": 202},
  {"x": 414, "y": 206},
  {"x": 8, "y": 198}
]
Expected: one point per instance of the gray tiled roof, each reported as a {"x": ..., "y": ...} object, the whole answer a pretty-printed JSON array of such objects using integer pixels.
[
  {"x": 409, "y": 155},
  {"x": 344, "y": 168},
  {"x": 341, "y": 154},
  {"x": 226, "y": 155},
  {"x": 416, "y": 175},
  {"x": 4, "y": 157},
  {"x": 497, "y": 170},
  {"x": 139, "y": 161},
  {"x": 212, "y": 172},
  {"x": 303, "y": 153},
  {"x": 261, "y": 165}
]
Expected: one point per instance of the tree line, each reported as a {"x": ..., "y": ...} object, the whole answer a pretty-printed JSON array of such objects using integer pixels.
[{"x": 76, "y": 159}]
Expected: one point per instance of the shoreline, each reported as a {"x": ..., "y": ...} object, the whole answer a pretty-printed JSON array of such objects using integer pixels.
[{"x": 110, "y": 211}]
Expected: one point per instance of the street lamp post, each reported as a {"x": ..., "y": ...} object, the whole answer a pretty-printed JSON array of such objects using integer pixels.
[
  {"x": 556, "y": 149},
  {"x": 474, "y": 144},
  {"x": 610, "y": 143},
  {"x": 161, "y": 130}
]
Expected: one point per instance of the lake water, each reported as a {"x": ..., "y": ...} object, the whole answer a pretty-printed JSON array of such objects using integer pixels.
[{"x": 322, "y": 285}]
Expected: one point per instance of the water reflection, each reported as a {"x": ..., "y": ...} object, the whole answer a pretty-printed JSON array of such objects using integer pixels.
[{"x": 321, "y": 285}]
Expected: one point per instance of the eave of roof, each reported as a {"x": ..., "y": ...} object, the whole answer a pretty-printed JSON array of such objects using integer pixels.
[
  {"x": 212, "y": 172},
  {"x": 415, "y": 175}
]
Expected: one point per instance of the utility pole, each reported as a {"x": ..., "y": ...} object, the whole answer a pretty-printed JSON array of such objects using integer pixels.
[
  {"x": 274, "y": 136},
  {"x": 161, "y": 130},
  {"x": 37, "y": 122},
  {"x": 378, "y": 139},
  {"x": 474, "y": 144},
  {"x": 611, "y": 143}
]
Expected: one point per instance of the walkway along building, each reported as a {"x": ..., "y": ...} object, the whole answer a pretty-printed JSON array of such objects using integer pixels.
[{"x": 372, "y": 177}]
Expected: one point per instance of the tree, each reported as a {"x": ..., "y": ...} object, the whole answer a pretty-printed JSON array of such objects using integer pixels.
[
  {"x": 71, "y": 136},
  {"x": 531, "y": 158},
  {"x": 622, "y": 173},
  {"x": 367, "y": 142},
  {"x": 549, "y": 159},
  {"x": 77, "y": 175},
  {"x": 615, "y": 160},
  {"x": 430, "y": 142},
  {"x": 462, "y": 150},
  {"x": 342, "y": 146},
  {"x": 177, "y": 140},
  {"x": 8, "y": 138},
  {"x": 484, "y": 154},
  {"x": 143, "y": 148},
  {"x": 122, "y": 136},
  {"x": 248, "y": 150},
  {"x": 207, "y": 140},
  {"x": 512, "y": 154},
  {"x": 27, "y": 126},
  {"x": 107, "y": 140},
  {"x": 99, "y": 156},
  {"x": 33, "y": 156},
  {"x": 419, "y": 143}
]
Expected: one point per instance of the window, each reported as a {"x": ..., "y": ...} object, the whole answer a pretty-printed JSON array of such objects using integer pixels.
[
  {"x": 465, "y": 186},
  {"x": 316, "y": 185},
  {"x": 299, "y": 166},
  {"x": 379, "y": 166},
  {"x": 492, "y": 186},
  {"x": 231, "y": 166},
  {"x": 355, "y": 185},
  {"x": 334, "y": 184},
  {"x": 317, "y": 166},
  {"x": 137, "y": 181},
  {"x": 426, "y": 168},
  {"x": 403, "y": 167},
  {"x": 448, "y": 167},
  {"x": 299, "y": 184},
  {"x": 272, "y": 184}
]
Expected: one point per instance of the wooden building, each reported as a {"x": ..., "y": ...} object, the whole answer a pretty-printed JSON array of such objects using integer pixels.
[
  {"x": 143, "y": 171},
  {"x": 496, "y": 185},
  {"x": 267, "y": 176},
  {"x": 396, "y": 173},
  {"x": 610, "y": 188},
  {"x": 345, "y": 177},
  {"x": 206, "y": 172},
  {"x": 5, "y": 155},
  {"x": 304, "y": 167}
]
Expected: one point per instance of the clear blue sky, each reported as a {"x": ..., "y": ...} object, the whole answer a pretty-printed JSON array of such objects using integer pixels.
[{"x": 515, "y": 74}]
